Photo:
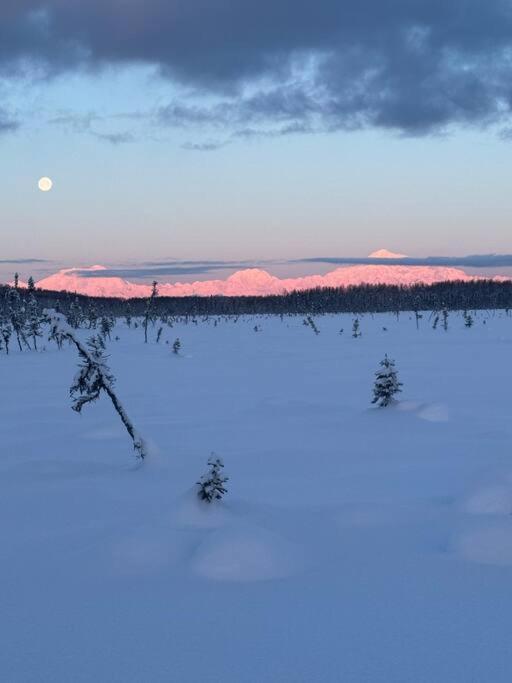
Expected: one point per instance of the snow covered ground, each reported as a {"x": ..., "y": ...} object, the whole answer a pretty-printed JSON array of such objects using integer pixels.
[{"x": 355, "y": 544}]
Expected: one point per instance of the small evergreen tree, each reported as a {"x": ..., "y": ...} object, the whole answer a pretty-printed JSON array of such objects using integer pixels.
[
  {"x": 468, "y": 319},
  {"x": 149, "y": 313},
  {"x": 355, "y": 329},
  {"x": 176, "y": 346},
  {"x": 75, "y": 314},
  {"x": 6, "y": 331},
  {"x": 211, "y": 485},
  {"x": 34, "y": 320},
  {"x": 445, "y": 319},
  {"x": 17, "y": 316},
  {"x": 386, "y": 383},
  {"x": 94, "y": 377},
  {"x": 31, "y": 285},
  {"x": 106, "y": 326}
]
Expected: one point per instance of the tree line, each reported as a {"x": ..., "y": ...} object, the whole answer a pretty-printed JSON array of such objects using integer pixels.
[{"x": 455, "y": 295}]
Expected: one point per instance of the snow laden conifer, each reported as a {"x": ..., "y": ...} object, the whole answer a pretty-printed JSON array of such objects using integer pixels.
[
  {"x": 5, "y": 333},
  {"x": 34, "y": 320},
  {"x": 94, "y": 377},
  {"x": 211, "y": 485},
  {"x": 386, "y": 384},
  {"x": 17, "y": 316},
  {"x": 356, "y": 329},
  {"x": 176, "y": 347}
]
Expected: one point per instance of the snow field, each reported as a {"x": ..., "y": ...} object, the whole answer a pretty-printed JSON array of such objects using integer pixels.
[{"x": 354, "y": 544}]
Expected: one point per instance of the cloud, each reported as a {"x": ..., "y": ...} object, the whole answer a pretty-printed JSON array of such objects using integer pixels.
[
  {"x": 115, "y": 138},
  {"x": 24, "y": 260},
  {"x": 203, "y": 146},
  {"x": 7, "y": 123},
  {"x": 413, "y": 66},
  {"x": 474, "y": 261},
  {"x": 175, "y": 268}
]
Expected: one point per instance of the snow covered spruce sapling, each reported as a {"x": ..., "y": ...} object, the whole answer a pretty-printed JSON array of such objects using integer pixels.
[
  {"x": 386, "y": 383},
  {"x": 150, "y": 313},
  {"x": 93, "y": 377},
  {"x": 211, "y": 485},
  {"x": 176, "y": 346}
]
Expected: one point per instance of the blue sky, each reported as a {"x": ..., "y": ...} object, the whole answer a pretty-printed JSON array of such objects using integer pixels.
[{"x": 172, "y": 159}]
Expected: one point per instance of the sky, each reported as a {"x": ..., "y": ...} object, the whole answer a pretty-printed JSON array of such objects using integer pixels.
[{"x": 268, "y": 131}]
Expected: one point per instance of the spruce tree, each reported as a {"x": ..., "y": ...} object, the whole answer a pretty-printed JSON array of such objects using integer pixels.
[
  {"x": 355, "y": 329},
  {"x": 386, "y": 383},
  {"x": 211, "y": 485},
  {"x": 94, "y": 377},
  {"x": 5, "y": 332},
  {"x": 34, "y": 320},
  {"x": 149, "y": 313}
]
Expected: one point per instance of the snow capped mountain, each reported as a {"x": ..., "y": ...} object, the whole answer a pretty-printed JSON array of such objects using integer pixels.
[
  {"x": 255, "y": 281},
  {"x": 72, "y": 280},
  {"x": 385, "y": 253}
]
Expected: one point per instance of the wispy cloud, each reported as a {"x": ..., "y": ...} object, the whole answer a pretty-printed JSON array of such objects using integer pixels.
[
  {"x": 473, "y": 261},
  {"x": 7, "y": 123},
  {"x": 116, "y": 138},
  {"x": 204, "y": 146},
  {"x": 175, "y": 268},
  {"x": 24, "y": 260}
]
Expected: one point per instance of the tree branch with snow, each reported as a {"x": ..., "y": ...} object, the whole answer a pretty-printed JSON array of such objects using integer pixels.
[{"x": 94, "y": 377}]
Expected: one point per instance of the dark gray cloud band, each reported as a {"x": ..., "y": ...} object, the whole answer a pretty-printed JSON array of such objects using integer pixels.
[
  {"x": 158, "y": 269},
  {"x": 475, "y": 261},
  {"x": 179, "y": 268},
  {"x": 23, "y": 260},
  {"x": 415, "y": 66}
]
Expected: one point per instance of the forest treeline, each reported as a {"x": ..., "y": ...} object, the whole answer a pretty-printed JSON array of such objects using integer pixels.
[{"x": 455, "y": 295}]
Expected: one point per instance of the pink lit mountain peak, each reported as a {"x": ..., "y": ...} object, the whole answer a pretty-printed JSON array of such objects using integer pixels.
[{"x": 255, "y": 281}]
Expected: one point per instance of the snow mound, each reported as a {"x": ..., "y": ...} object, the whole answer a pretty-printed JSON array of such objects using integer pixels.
[
  {"x": 245, "y": 553},
  {"x": 493, "y": 500},
  {"x": 191, "y": 512},
  {"x": 146, "y": 552},
  {"x": 492, "y": 545},
  {"x": 433, "y": 412}
]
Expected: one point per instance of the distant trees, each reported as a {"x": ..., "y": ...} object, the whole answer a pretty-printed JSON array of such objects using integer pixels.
[
  {"x": 473, "y": 295},
  {"x": 386, "y": 384}
]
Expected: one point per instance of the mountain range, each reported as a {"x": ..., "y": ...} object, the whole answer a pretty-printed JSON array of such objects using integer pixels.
[{"x": 255, "y": 281}]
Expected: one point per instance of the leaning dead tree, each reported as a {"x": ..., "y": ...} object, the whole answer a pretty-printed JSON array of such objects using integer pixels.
[{"x": 93, "y": 377}]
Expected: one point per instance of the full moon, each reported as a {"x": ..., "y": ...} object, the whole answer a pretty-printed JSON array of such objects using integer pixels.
[{"x": 45, "y": 184}]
